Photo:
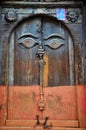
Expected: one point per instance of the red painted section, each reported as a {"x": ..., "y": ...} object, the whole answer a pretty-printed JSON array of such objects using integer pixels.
[
  {"x": 60, "y": 103},
  {"x": 23, "y": 102},
  {"x": 64, "y": 102},
  {"x": 3, "y": 105},
  {"x": 81, "y": 104},
  {"x": 83, "y": 101}
]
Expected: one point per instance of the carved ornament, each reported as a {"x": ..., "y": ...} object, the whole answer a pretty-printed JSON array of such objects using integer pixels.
[
  {"x": 72, "y": 15},
  {"x": 11, "y": 16}
]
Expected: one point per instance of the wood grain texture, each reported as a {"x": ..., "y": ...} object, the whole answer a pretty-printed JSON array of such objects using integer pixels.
[
  {"x": 26, "y": 71},
  {"x": 42, "y": 4},
  {"x": 26, "y": 64},
  {"x": 84, "y": 44}
]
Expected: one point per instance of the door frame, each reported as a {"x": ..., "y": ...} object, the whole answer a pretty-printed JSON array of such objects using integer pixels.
[
  {"x": 11, "y": 59},
  {"x": 78, "y": 57}
]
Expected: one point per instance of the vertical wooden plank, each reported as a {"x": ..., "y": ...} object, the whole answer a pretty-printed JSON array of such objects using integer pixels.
[
  {"x": 84, "y": 42},
  {"x": 0, "y": 44},
  {"x": 11, "y": 60},
  {"x": 76, "y": 30},
  {"x": 71, "y": 60},
  {"x": 6, "y": 28},
  {"x": 4, "y": 40},
  {"x": 81, "y": 90},
  {"x": 3, "y": 75}
]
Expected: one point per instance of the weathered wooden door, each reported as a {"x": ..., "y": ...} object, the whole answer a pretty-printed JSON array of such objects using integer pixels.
[{"x": 41, "y": 75}]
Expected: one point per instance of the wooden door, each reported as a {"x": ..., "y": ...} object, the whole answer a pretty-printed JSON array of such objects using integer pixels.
[{"x": 42, "y": 77}]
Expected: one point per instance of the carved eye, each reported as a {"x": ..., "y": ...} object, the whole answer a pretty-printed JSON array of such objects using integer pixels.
[
  {"x": 27, "y": 42},
  {"x": 54, "y": 43}
]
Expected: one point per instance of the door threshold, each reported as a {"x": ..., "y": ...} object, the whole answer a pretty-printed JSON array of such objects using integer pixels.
[
  {"x": 53, "y": 123},
  {"x": 29, "y": 128}
]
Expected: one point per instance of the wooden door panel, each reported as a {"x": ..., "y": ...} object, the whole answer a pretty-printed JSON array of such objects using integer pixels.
[
  {"x": 25, "y": 61},
  {"x": 57, "y": 54},
  {"x": 53, "y": 67},
  {"x": 58, "y": 69},
  {"x": 23, "y": 103}
]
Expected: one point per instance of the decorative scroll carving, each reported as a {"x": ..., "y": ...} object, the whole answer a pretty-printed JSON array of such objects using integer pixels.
[
  {"x": 11, "y": 16},
  {"x": 73, "y": 15}
]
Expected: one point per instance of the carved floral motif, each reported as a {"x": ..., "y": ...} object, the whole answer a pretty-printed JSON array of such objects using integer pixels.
[
  {"x": 72, "y": 15},
  {"x": 11, "y": 16}
]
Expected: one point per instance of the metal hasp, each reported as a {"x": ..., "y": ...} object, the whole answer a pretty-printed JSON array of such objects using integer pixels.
[
  {"x": 40, "y": 54},
  {"x": 38, "y": 122},
  {"x": 45, "y": 123}
]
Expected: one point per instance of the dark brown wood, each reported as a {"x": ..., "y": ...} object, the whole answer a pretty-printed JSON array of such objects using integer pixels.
[
  {"x": 5, "y": 31},
  {"x": 57, "y": 44},
  {"x": 58, "y": 69},
  {"x": 9, "y": 26},
  {"x": 76, "y": 30},
  {"x": 41, "y": 4},
  {"x": 0, "y": 42},
  {"x": 26, "y": 70},
  {"x": 84, "y": 43}
]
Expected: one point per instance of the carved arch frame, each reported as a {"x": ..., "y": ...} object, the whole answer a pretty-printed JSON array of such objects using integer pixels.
[{"x": 77, "y": 56}]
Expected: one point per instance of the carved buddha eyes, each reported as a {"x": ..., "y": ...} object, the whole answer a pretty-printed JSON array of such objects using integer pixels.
[
  {"x": 54, "y": 43},
  {"x": 28, "y": 41}
]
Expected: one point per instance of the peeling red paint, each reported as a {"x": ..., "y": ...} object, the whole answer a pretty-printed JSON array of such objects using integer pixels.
[
  {"x": 83, "y": 103},
  {"x": 64, "y": 102}
]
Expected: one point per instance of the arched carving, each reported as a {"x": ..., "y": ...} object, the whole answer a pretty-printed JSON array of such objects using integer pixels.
[{"x": 30, "y": 38}]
